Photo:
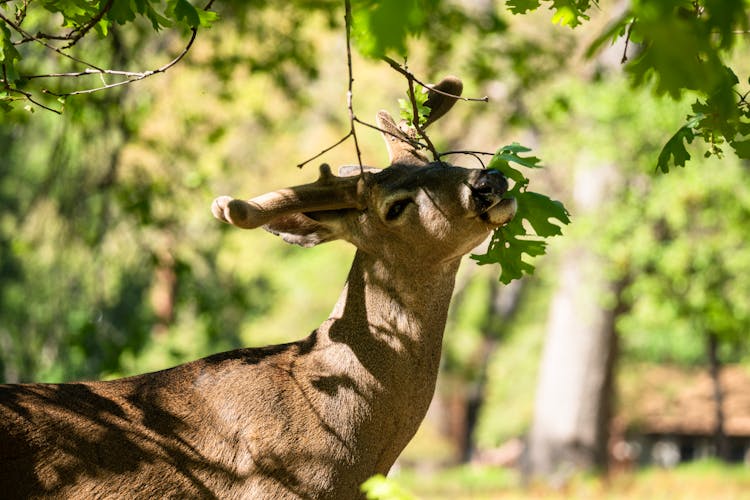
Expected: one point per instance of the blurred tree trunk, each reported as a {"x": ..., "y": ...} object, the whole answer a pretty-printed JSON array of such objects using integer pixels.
[
  {"x": 463, "y": 394},
  {"x": 720, "y": 438},
  {"x": 575, "y": 389},
  {"x": 504, "y": 302}
]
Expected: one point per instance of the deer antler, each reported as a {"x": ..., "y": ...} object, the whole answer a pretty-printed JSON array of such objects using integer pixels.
[{"x": 329, "y": 192}]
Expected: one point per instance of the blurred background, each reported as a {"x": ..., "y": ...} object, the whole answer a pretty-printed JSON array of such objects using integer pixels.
[{"x": 620, "y": 368}]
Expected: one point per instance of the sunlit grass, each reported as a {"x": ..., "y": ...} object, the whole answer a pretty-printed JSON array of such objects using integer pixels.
[{"x": 699, "y": 480}]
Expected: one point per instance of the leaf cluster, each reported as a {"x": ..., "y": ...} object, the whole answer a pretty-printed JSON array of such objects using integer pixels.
[
  {"x": 679, "y": 46},
  {"x": 510, "y": 242},
  {"x": 683, "y": 46},
  {"x": 406, "y": 109},
  {"x": 720, "y": 119},
  {"x": 382, "y": 26},
  {"x": 28, "y": 32},
  {"x": 567, "y": 12}
]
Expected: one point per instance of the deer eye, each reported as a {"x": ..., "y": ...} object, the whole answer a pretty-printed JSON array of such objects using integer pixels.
[{"x": 397, "y": 208}]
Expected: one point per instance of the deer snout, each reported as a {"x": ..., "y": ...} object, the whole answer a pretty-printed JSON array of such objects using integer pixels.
[
  {"x": 487, "y": 192},
  {"x": 487, "y": 189},
  {"x": 490, "y": 182}
]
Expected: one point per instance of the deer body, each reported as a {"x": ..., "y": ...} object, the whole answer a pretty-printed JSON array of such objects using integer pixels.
[{"x": 309, "y": 419}]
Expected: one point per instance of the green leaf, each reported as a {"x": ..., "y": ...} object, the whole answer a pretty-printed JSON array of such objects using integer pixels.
[
  {"x": 75, "y": 12},
  {"x": 504, "y": 156},
  {"x": 567, "y": 12},
  {"x": 121, "y": 12},
  {"x": 742, "y": 148},
  {"x": 522, "y": 6},
  {"x": 382, "y": 26},
  {"x": 8, "y": 55},
  {"x": 158, "y": 21},
  {"x": 538, "y": 209},
  {"x": 379, "y": 487},
  {"x": 676, "y": 55},
  {"x": 507, "y": 249},
  {"x": 207, "y": 17},
  {"x": 511, "y": 242},
  {"x": 674, "y": 149},
  {"x": 184, "y": 12},
  {"x": 406, "y": 110}
]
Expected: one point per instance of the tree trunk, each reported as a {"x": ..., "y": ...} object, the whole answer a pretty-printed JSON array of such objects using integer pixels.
[
  {"x": 720, "y": 438},
  {"x": 463, "y": 393},
  {"x": 574, "y": 394},
  {"x": 503, "y": 304},
  {"x": 572, "y": 409}
]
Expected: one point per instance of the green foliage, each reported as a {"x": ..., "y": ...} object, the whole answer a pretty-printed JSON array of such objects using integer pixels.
[
  {"x": 9, "y": 58},
  {"x": 510, "y": 242},
  {"x": 35, "y": 40},
  {"x": 379, "y": 487},
  {"x": 406, "y": 110},
  {"x": 674, "y": 150},
  {"x": 567, "y": 12},
  {"x": 685, "y": 46},
  {"x": 682, "y": 46},
  {"x": 382, "y": 26},
  {"x": 722, "y": 118},
  {"x": 688, "y": 264}
]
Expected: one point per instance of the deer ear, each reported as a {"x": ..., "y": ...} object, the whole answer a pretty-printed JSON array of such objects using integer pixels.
[
  {"x": 400, "y": 150},
  {"x": 440, "y": 104},
  {"x": 306, "y": 230}
]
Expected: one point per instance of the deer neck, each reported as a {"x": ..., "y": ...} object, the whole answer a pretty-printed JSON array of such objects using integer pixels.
[{"x": 393, "y": 318}]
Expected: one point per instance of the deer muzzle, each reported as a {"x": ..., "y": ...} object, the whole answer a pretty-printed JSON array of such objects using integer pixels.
[{"x": 487, "y": 192}]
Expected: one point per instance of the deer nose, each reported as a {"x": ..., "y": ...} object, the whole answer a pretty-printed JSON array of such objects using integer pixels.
[{"x": 490, "y": 182}]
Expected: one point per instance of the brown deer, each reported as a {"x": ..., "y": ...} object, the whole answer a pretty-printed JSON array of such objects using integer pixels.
[{"x": 308, "y": 419}]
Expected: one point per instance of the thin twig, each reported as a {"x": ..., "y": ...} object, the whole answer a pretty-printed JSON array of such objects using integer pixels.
[
  {"x": 415, "y": 119},
  {"x": 627, "y": 42},
  {"x": 137, "y": 77},
  {"x": 24, "y": 33},
  {"x": 349, "y": 97},
  {"x": 412, "y": 142},
  {"x": 74, "y": 36},
  {"x": 466, "y": 152},
  {"x": 349, "y": 94},
  {"x": 393, "y": 64},
  {"x": 89, "y": 72},
  {"x": 349, "y": 134},
  {"x": 27, "y": 95},
  {"x": 476, "y": 154},
  {"x": 81, "y": 32}
]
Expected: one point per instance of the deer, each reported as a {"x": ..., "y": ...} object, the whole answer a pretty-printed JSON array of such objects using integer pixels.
[{"x": 313, "y": 418}]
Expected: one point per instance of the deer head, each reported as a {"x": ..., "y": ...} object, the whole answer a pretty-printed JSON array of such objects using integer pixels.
[{"x": 412, "y": 211}]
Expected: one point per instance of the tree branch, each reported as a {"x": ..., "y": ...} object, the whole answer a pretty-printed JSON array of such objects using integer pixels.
[
  {"x": 416, "y": 117},
  {"x": 133, "y": 76},
  {"x": 349, "y": 94},
  {"x": 353, "y": 120},
  {"x": 476, "y": 154},
  {"x": 81, "y": 32},
  {"x": 409, "y": 75},
  {"x": 90, "y": 69}
]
